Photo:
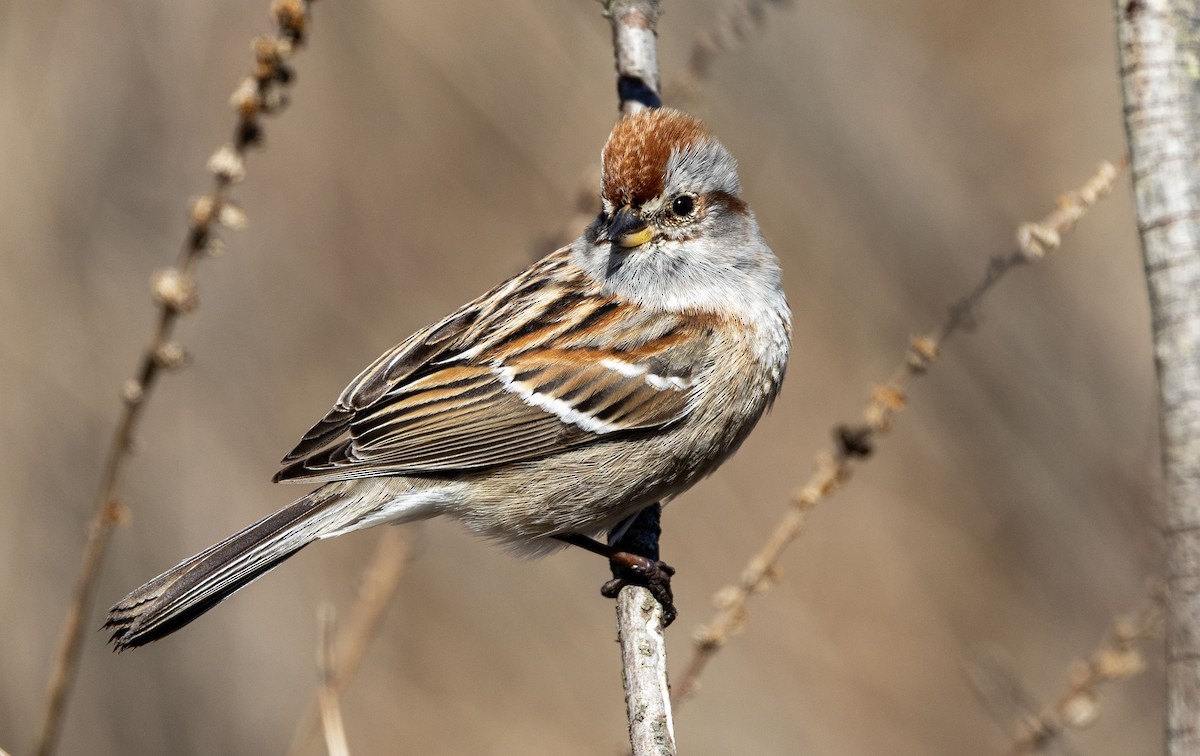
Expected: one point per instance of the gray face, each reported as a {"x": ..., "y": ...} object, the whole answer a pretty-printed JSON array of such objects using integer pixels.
[{"x": 705, "y": 251}]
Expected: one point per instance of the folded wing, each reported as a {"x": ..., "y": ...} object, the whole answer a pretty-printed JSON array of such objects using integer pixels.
[{"x": 493, "y": 384}]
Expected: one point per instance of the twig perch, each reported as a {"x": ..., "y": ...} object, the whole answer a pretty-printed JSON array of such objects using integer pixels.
[
  {"x": 854, "y": 443},
  {"x": 635, "y": 47},
  {"x": 639, "y": 615},
  {"x": 174, "y": 289},
  {"x": 644, "y": 673},
  {"x": 1160, "y": 79}
]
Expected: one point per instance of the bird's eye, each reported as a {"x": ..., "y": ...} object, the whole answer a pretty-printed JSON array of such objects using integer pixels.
[{"x": 683, "y": 205}]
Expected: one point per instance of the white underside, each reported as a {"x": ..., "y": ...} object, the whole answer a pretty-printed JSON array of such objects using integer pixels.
[{"x": 378, "y": 505}]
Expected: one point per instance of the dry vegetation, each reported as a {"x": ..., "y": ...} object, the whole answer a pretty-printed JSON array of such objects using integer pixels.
[{"x": 888, "y": 151}]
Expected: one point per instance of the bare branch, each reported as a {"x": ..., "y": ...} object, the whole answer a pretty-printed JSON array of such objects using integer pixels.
[
  {"x": 854, "y": 443},
  {"x": 174, "y": 289},
  {"x": 327, "y": 693},
  {"x": 639, "y": 615},
  {"x": 644, "y": 673},
  {"x": 1078, "y": 705},
  {"x": 635, "y": 48},
  {"x": 376, "y": 588}
]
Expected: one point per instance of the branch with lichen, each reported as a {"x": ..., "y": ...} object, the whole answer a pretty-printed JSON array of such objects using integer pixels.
[
  {"x": 853, "y": 443},
  {"x": 263, "y": 92}
]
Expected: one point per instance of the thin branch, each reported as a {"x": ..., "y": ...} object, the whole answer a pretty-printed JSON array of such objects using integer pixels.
[
  {"x": 376, "y": 589},
  {"x": 990, "y": 674},
  {"x": 644, "y": 672},
  {"x": 854, "y": 443},
  {"x": 174, "y": 289},
  {"x": 635, "y": 50},
  {"x": 1078, "y": 706},
  {"x": 327, "y": 693},
  {"x": 639, "y": 615},
  {"x": 1158, "y": 49}
]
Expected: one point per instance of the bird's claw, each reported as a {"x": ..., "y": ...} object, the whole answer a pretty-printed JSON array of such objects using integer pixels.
[{"x": 652, "y": 574}]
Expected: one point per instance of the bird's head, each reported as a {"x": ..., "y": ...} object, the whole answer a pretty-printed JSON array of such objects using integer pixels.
[{"x": 673, "y": 231}]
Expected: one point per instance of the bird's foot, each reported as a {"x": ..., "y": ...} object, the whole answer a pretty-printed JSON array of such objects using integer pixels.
[{"x": 652, "y": 574}]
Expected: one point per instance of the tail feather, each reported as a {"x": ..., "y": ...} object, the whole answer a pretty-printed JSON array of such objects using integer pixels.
[{"x": 191, "y": 588}]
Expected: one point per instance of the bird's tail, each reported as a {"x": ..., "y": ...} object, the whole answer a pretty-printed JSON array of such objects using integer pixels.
[{"x": 191, "y": 588}]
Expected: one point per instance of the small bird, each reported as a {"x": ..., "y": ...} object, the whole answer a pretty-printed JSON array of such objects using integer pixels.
[{"x": 608, "y": 376}]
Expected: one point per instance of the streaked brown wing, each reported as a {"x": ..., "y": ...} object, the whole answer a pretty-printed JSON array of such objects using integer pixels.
[
  {"x": 391, "y": 369},
  {"x": 457, "y": 418},
  {"x": 495, "y": 384},
  {"x": 464, "y": 417},
  {"x": 597, "y": 391}
]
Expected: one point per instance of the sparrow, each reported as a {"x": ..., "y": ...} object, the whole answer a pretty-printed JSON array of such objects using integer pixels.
[{"x": 610, "y": 375}]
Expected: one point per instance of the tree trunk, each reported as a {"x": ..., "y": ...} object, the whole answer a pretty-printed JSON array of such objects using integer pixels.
[{"x": 1159, "y": 45}]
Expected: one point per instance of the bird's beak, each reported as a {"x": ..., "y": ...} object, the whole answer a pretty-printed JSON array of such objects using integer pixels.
[{"x": 628, "y": 229}]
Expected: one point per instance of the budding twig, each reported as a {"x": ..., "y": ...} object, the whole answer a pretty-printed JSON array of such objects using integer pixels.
[
  {"x": 1078, "y": 705},
  {"x": 174, "y": 290},
  {"x": 854, "y": 443}
]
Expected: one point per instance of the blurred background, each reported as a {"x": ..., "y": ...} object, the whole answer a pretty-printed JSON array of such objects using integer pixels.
[{"x": 431, "y": 150}]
